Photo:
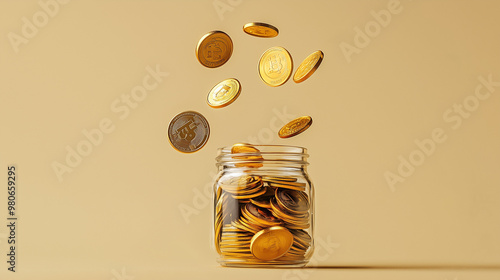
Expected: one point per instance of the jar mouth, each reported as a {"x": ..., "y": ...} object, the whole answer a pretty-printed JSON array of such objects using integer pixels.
[{"x": 282, "y": 154}]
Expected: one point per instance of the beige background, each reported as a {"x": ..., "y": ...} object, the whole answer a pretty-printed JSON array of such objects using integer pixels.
[{"x": 117, "y": 214}]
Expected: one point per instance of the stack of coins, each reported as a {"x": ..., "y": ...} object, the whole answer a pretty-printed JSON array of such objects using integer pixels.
[{"x": 261, "y": 219}]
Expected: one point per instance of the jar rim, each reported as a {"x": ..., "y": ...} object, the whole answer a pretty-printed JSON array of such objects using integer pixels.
[{"x": 281, "y": 154}]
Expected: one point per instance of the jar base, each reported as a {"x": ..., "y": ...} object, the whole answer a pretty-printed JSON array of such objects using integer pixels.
[{"x": 264, "y": 264}]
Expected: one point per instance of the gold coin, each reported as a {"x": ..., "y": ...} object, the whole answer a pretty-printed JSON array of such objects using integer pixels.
[
  {"x": 265, "y": 199},
  {"x": 289, "y": 183},
  {"x": 252, "y": 161},
  {"x": 279, "y": 178},
  {"x": 214, "y": 49},
  {"x": 295, "y": 127},
  {"x": 275, "y": 66},
  {"x": 295, "y": 202},
  {"x": 271, "y": 243},
  {"x": 252, "y": 195},
  {"x": 224, "y": 93},
  {"x": 243, "y": 148},
  {"x": 286, "y": 186},
  {"x": 233, "y": 184},
  {"x": 301, "y": 236},
  {"x": 288, "y": 218},
  {"x": 188, "y": 132},
  {"x": 260, "y": 29},
  {"x": 308, "y": 66},
  {"x": 262, "y": 201},
  {"x": 260, "y": 216}
]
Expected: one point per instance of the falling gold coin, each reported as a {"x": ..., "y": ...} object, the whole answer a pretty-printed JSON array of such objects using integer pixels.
[
  {"x": 224, "y": 93},
  {"x": 308, "y": 66},
  {"x": 260, "y": 29},
  {"x": 271, "y": 243},
  {"x": 214, "y": 49},
  {"x": 275, "y": 66},
  {"x": 295, "y": 127},
  {"x": 188, "y": 132},
  {"x": 247, "y": 148}
]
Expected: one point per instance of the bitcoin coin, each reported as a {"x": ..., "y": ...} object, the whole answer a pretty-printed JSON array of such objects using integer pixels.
[
  {"x": 275, "y": 66},
  {"x": 260, "y": 29},
  {"x": 224, "y": 93},
  {"x": 188, "y": 132},
  {"x": 214, "y": 49},
  {"x": 271, "y": 243},
  {"x": 308, "y": 66},
  {"x": 295, "y": 127}
]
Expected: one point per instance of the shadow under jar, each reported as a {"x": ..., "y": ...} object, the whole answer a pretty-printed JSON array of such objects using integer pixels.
[{"x": 264, "y": 204}]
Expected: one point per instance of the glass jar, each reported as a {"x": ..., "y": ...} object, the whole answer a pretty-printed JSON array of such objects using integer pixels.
[{"x": 263, "y": 206}]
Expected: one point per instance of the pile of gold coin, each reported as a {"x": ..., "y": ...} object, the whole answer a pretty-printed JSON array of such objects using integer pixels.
[{"x": 261, "y": 219}]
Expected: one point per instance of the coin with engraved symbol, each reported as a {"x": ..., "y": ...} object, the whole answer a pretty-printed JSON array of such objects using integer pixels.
[
  {"x": 260, "y": 29},
  {"x": 271, "y": 243},
  {"x": 275, "y": 66},
  {"x": 188, "y": 132},
  {"x": 308, "y": 66},
  {"x": 224, "y": 93},
  {"x": 214, "y": 49},
  {"x": 295, "y": 127}
]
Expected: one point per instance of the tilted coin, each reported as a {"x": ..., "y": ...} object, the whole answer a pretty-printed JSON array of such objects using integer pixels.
[
  {"x": 233, "y": 184},
  {"x": 260, "y": 29},
  {"x": 214, "y": 49},
  {"x": 224, "y": 93},
  {"x": 244, "y": 226},
  {"x": 279, "y": 178},
  {"x": 290, "y": 183},
  {"x": 262, "y": 201},
  {"x": 188, "y": 132},
  {"x": 295, "y": 202},
  {"x": 275, "y": 66},
  {"x": 286, "y": 186},
  {"x": 295, "y": 127},
  {"x": 250, "y": 195},
  {"x": 243, "y": 148},
  {"x": 265, "y": 199},
  {"x": 308, "y": 66},
  {"x": 271, "y": 243},
  {"x": 292, "y": 221},
  {"x": 302, "y": 236},
  {"x": 259, "y": 216},
  {"x": 253, "y": 160}
]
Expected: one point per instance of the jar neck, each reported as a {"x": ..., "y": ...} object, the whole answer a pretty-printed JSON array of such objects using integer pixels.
[{"x": 263, "y": 157}]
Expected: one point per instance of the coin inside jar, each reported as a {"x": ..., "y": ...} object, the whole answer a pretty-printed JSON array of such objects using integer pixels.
[
  {"x": 271, "y": 243},
  {"x": 294, "y": 201},
  {"x": 260, "y": 215}
]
